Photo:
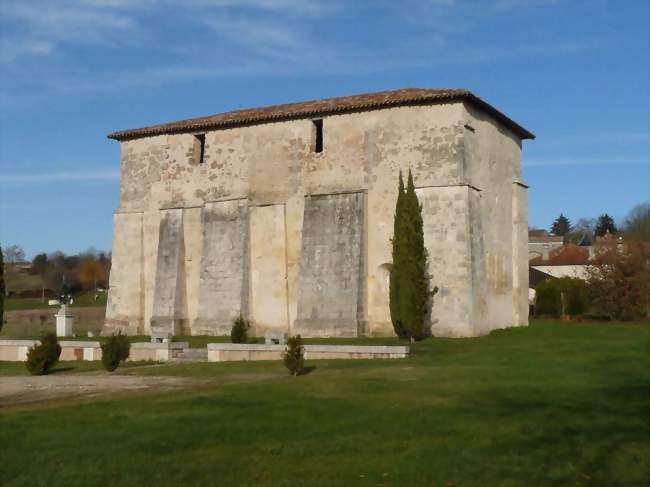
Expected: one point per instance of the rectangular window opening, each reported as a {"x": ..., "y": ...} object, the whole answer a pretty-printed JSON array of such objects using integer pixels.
[
  {"x": 318, "y": 135},
  {"x": 199, "y": 147}
]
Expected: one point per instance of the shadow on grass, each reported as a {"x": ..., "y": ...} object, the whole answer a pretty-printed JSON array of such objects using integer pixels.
[
  {"x": 308, "y": 370},
  {"x": 60, "y": 370},
  {"x": 603, "y": 429}
]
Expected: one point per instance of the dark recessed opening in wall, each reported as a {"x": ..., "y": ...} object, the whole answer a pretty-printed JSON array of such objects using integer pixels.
[
  {"x": 318, "y": 135},
  {"x": 199, "y": 147}
]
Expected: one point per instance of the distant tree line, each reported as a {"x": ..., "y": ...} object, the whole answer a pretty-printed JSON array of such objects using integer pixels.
[
  {"x": 87, "y": 270},
  {"x": 635, "y": 227}
]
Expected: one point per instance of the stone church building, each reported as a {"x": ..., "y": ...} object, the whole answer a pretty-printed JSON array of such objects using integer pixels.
[{"x": 285, "y": 215}]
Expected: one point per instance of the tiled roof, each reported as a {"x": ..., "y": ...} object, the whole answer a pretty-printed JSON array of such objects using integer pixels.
[{"x": 327, "y": 106}]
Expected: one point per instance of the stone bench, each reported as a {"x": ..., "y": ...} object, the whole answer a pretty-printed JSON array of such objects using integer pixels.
[
  {"x": 16, "y": 350},
  {"x": 78, "y": 350},
  {"x": 226, "y": 352}
]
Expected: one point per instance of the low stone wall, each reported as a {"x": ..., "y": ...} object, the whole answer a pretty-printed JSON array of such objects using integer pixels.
[
  {"x": 226, "y": 352},
  {"x": 158, "y": 352},
  {"x": 16, "y": 350},
  {"x": 77, "y": 350}
]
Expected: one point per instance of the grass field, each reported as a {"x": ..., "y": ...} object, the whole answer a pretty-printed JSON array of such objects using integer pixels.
[
  {"x": 81, "y": 300},
  {"x": 551, "y": 404},
  {"x": 22, "y": 281}
]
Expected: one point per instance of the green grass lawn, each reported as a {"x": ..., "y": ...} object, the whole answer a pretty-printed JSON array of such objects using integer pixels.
[
  {"x": 22, "y": 281},
  {"x": 551, "y": 404},
  {"x": 84, "y": 299}
]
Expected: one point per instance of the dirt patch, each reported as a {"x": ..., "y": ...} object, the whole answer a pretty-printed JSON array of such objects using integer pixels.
[{"x": 20, "y": 390}]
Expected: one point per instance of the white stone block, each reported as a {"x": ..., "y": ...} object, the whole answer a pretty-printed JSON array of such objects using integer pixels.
[{"x": 63, "y": 323}]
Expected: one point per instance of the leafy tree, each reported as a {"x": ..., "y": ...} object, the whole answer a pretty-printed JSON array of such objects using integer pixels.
[
  {"x": 294, "y": 355},
  {"x": 619, "y": 279},
  {"x": 2, "y": 289},
  {"x": 605, "y": 225},
  {"x": 563, "y": 296},
  {"x": 42, "y": 357},
  {"x": 92, "y": 273},
  {"x": 62, "y": 269},
  {"x": 39, "y": 264},
  {"x": 239, "y": 331},
  {"x": 637, "y": 223},
  {"x": 115, "y": 349},
  {"x": 409, "y": 283},
  {"x": 561, "y": 226}
]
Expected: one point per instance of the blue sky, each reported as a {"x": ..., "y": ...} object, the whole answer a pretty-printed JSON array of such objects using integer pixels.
[{"x": 576, "y": 73}]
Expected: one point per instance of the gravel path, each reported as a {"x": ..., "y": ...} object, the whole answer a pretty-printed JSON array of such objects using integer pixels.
[{"x": 18, "y": 390}]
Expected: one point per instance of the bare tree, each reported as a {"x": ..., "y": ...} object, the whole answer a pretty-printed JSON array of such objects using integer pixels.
[
  {"x": 13, "y": 255},
  {"x": 637, "y": 223}
]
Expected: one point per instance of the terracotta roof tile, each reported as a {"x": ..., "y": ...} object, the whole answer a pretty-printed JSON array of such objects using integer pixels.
[{"x": 327, "y": 106}]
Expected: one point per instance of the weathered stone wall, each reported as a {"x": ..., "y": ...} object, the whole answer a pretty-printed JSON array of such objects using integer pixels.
[
  {"x": 268, "y": 292},
  {"x": 331, "y": 281},
  {"x": 448, "y": 240},
  {"x": 169, "y": 295},
  {"x": 492, "y": 164},
  {"x": 125, "y": 298},
  {"x": 464, "y": 164},
  {"x": 222, "y": 282}
]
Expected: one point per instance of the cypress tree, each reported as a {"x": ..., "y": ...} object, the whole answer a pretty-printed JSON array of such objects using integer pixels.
[
  {"x": 398, "y": 258},
  {"x": 409, "y": 286},
  {"x": 561, "y": 226},
  {"x": 605, "y": 225}
]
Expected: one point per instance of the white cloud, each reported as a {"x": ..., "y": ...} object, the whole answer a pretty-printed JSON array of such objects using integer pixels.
[
  {"x": 300, "y": 7},
  {"x": 55, "y": 21},
  {"x": 10, "y": 51},
  {"x": 173, "y": 40},
  {"x": 266, "y": 37}
]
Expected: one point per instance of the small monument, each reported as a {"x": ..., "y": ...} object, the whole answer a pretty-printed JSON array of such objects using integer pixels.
[{"x": 63, "y": 318}]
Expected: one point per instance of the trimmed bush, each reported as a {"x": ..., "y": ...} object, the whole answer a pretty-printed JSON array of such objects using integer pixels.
[
  {"x": 549, "y": 297},
  {"x": 239, "y": 332},
  {"x": 115, "y": 349},
  {"x": 42, "y": 357},
  {"x": 294, "y": 356}
]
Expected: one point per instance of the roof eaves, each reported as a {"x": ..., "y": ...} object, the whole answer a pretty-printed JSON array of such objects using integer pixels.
[{"x": 204, "y": 123}]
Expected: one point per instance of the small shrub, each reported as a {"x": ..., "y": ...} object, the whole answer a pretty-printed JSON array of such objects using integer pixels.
[
  {"x": 239, "y": 332},
  {"x": 294, "y": 356},
  {"x": 42, "y": 357},
  {"x": 115, "y": 349}
]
